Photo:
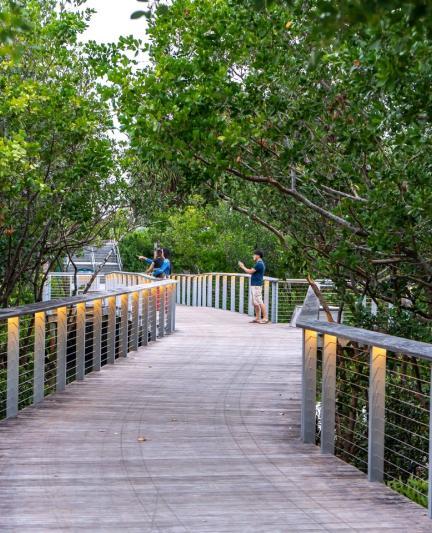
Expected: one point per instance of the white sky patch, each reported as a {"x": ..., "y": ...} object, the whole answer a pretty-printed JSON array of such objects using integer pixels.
[{"x": 112, "y": 19}]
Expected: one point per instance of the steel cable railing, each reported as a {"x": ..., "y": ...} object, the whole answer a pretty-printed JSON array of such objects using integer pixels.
[
  {"x": 45, "y": 346},
  {"x": 366, "y": 398}
]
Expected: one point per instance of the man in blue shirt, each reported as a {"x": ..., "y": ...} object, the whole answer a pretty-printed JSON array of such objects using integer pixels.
[
  {"x": 256, "y": 283},
  {"x": 161, "y": 267}
]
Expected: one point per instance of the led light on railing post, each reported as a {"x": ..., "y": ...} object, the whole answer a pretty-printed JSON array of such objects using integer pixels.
[
  {"x": 309, "y": 367},
  {"x": 328, "y": 401},
  {"x": 61, "y": 348},
  {"x": 97, "y": 335},
  {"x": 376, "y": 415},
  {"x": 12, "y": 366},
  {"x": 39, "y": 357}
]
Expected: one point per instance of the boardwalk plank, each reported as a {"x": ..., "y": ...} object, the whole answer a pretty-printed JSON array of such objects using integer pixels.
[{"x": 218, "y": 405}]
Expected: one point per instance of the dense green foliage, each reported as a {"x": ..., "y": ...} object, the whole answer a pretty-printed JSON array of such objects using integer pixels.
[
  {"x": 58, "y": 161},
  {"x": 204, "y": 238},
  {"x": 323, "y": 135}
]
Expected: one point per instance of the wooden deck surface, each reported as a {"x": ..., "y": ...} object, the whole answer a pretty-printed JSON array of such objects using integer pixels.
[{"x": 198, "y": 432}]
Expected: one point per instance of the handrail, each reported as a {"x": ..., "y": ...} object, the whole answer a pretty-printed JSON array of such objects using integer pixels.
[
  {"x": 55, "y": 342},
  {"x": 225, "y": 290},
  {"x": 378, "y": 392}
]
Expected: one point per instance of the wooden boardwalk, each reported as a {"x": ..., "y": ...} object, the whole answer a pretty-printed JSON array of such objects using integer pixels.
[{"x": 198, "y": 432}]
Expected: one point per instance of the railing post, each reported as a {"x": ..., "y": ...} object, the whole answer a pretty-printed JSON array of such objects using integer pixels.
[
  {"x": 162, "y": 296},
  {"x": 178, "y": 289},
  {"x": 173, "y": 315},
  {"x": 266, "y": 294},
  {"x": 250, "y": 302},
  {"x": 199, "y": 291},
  {"x": 217, "y": 292},
  {"x": 210, "y": 291},
  {"x": 224, "y": 292},
  {"x": 153, "y": 334},
  {"x": 12, "y": 367},
  {"x": 194, "y": 291},
  {"x": 309, "y": 363},
  {"x": 80, "y": 340},
  {"x": 376, "y": 415},
  {"x": 188, "y": 290},
  {"x": 328, "y": 402},
  {"x": 274, "y": 287},
  {"x": 111, "y": 330},
  {"x": 169, "y": 297},
  {"x": 233, "y": 293},
  {"x": 183, "y": 282},
  {"x": 97, "y": 334},
  {"x": 61, "y": 348},
  {"x": 430, "y": 448},
  {"x": 204, "y": 291},
  {"x": 241, "y": 295},
  {"x": 145, "y": 316},
  {"x": 39, "y": 358},
  {"x": 124, "y": 325},
  {"x": 134, "y": 331}
]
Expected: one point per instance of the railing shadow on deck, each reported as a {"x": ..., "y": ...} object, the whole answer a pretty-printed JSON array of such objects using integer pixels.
[
  {"x": 45, "y": 346},
  {"x": 365, "y": 385}
]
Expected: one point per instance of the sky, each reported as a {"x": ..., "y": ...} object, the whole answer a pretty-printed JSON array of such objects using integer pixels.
[{"x": 113, "y": 19}]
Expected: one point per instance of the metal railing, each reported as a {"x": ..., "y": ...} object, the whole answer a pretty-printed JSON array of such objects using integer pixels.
[
  {"x": 226, "y": 291},
  {"x": 366, "y": 397},
  {"x": 47, "y": 345}
]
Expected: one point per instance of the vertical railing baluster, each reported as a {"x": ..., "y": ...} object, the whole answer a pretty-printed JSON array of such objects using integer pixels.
[
  {"x": 188, "y": 290},
  {"x": 169, "y": 297},
  {"x": 199, "y": 291},
  {"x": 210, "y": 291},
  {"x": 241, "y": 295},
  {"x": 183, "y": 282},
  {"x": 204, "y": 291},
  {"x": 135, "y": 318},
  {"x": 145, "y": 317},
  {"x": 39, "y": 357},
  {"x": 124, "y": 325},
  {"x": 233, "y": 293},
  {"x": 328, "y": 406},
  {"x": 250, "y": 302},
  {"x": 430, "y": 445},
  {"x": 154, "y": 297},
  {"x": 224, "y": 292},
  {"x": 162, "y": 296},
  {"x": 61, "y": 348},
  {"x": 217, "y": 292},
  {"x": 266, "y": 294},
  {"x": 309, "y": 364},
  {"x": 376, "y": 415},
  {"x": 12, "y": 378},
  {"x": 97, "y": 334},
  {"x": 111, "y": 330}
]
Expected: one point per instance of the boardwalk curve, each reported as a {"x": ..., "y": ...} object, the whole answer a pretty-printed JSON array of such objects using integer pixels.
[{"x": 198, "y": 432}]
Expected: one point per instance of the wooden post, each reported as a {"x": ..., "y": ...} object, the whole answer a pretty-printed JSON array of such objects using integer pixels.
[
  {"x": 274, "y": 287},
  {"x": 188, "y": 290},
  {"x": 124, "y": 325},
  {"x": 376, "y": 414},
  {"x": 250, "y": 302},
  {"x": 309, "y": 363},
  {"x": 233, "y": 293},
  {"x": 204, "y": 291},
  {"x": 39, "y": 358},
  {"x": 183, "y": 282},
  {"x": 145, "y": 316},
  {"x": 241, "y": 295},
  {"x": 210, "y": 291},
  {"x": 162, "y": 296},
  {"x": 217, "y": 292},
  {"x": 111, "y": 330},
  {"x": 12, "y": 378},
  {"x": 328, "y": 408},
  {"x": 224, "y": 292},
  {"x": 61, "y": 348},
  {"x": 97, "y": 334},
  {"x": 266, "y": 294},
  {"x": 80, "y": 340},
  {"x": 154, "y": 315},
  {"x": 169, "y": 296},
  {"x": 134, "y": 331}
]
